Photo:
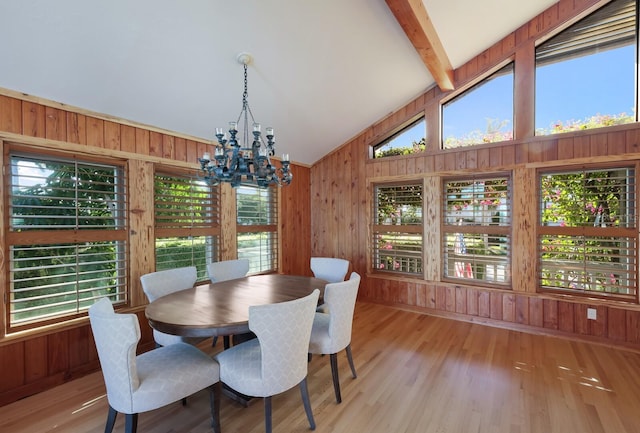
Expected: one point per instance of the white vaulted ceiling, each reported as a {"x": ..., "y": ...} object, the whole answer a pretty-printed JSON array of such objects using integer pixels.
[{"x": 322, "y": 71}]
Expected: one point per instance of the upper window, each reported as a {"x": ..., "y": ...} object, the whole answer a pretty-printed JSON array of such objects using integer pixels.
[
  {"x": 257, "y": 227},
  {"x": 585, "y": 75},
  {"x": 410, "y": 139},
  {"x": 587, "y": 233},
  {"x": 397, "y": 229},
  {"x": 67, "y": 237},
  {"x": 476, "y": 229},
  {"x": 187, "y": 222},
  {"x": 482, "y": 114}
]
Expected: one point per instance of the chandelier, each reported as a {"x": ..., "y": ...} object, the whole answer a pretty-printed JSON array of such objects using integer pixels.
[{"x": 236, "y": 161}]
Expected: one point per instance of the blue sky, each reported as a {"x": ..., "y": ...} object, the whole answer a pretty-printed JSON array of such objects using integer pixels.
[{"x": 603, "y": 83}]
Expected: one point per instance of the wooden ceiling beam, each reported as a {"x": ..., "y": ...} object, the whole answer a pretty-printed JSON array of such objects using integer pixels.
[{"x": 414, "y": 20}]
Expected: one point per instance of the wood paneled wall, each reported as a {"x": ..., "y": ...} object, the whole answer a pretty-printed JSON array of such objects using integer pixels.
[
  {"x": 341, "y": 185},
  {"x": 34, "y": 361}
]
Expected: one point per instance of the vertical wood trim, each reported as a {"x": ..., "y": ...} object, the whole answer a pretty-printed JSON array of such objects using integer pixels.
[
  {"x": 142, "y": 230},
  {"x": 432, "y": 213},
  {"x": 523, "y": 252},
  {"x": 228, "y": 244},
  {"x": 524, "y": 91}
]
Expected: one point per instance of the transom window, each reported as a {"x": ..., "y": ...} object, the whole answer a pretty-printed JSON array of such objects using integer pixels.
[
  {"x": 397, "y": 228},
  {"x": 587, "y": 235},
  {"x": 477, "y": 229},
  {"x": 482, "y": 114},
  {"x": 586, "y": 75},
  {"x": 410, "y": 139},
  {"x": 67, "y": 237}
]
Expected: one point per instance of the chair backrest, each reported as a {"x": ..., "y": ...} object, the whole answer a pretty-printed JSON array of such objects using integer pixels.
[
  {"x": 329, "y": 268},
  {"x": 340, "y": 300},
  {"x": 283, "y": 331},
  {"x": 228, "y": 269},
  {"x": 161, "y": 283},
  {"x": 116, "y": 337}
]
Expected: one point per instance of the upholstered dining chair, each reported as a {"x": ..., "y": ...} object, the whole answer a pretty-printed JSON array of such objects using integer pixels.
[
  {"x": 331, "y": 270},
  {"x": 331, "y": 332},
  {"x": 228, "y": 269},
  {"x": 223, "y": 271},
  {"x": 161, "y": 283},
  {"x": 153, "y": 379},
  {"x": 276, "y": 360}
]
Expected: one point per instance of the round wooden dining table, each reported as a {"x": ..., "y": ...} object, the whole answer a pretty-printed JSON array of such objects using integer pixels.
[{"x": 222, "y": 308}]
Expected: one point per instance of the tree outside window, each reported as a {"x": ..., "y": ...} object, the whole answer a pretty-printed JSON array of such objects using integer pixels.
[
  {"x": 588, "y": 238},
  {"x": 397, "y": 231}
]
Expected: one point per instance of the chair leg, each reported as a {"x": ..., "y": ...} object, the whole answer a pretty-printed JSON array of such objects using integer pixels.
[
  {"x": 304, "y": 390},
  {"x": 111, "y": 420},
  {"x": 333, "y": 358},
  {"x": 215, "y": 391},
  {"x": 131, "y": 423},
  {"x": 267, "y": 414},
  {"x": 350, "y": 358}
]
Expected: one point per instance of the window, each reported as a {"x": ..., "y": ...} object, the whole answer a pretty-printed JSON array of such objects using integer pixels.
[
  {"x": 187, "y": 219},
  {"x": 588, "y": 236},
  {"x": 585, "y": 75},
  {"x": 476, "y": 229},
  {"x": 410, "y": 139},
  {"x": 482, "y": 114},
  {"x": 67, "y": 237},
  {"x": 397, "y": 228},
  {"x": 257, "y": 218}
]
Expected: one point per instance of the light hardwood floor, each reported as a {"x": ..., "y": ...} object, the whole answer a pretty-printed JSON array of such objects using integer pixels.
[{"x": 416, "y": 373}]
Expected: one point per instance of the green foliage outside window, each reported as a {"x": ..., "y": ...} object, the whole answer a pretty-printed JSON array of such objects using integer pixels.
[
  {"x": 596, "y": 251},
  {"x": 54, "y": 196},
  {"x": 397, "y": 242}
]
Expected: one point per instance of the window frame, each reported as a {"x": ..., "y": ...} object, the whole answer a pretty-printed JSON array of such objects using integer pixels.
[
  {"x": 267, "y": 231},
  {"x": 588, "y": 232},
  {"x": 415, "y": 231},
  {"x": 71, "y": 237},
  {"x": 188, "y": 226},
  {"x": 465, "y": 271},
  {"x": 417, "y": 146},
  {"x": 469, "y": 89},
  {"x": 596, "y": 120}
]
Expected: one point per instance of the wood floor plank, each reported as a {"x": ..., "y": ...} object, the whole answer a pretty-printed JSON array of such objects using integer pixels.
[{"x": 416, "y": 373}]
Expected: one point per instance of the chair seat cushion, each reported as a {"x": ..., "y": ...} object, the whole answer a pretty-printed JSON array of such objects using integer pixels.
[
  {"x": 169, "y": 374},
  {"x": 241, "y": 369},
  {"x": 320, "y": 341}
]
